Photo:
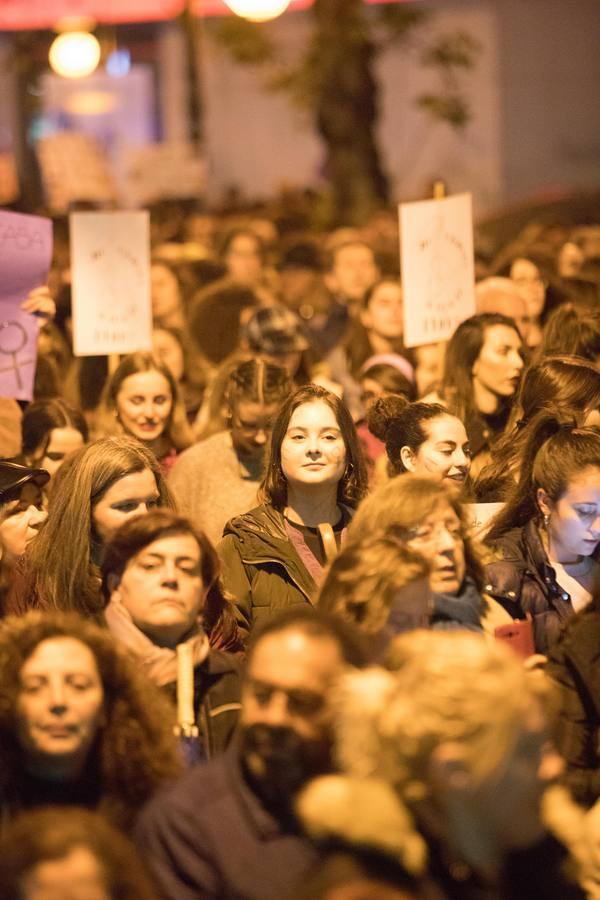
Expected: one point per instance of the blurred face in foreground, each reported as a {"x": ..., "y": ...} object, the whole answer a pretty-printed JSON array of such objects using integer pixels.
[
  {"x": 59, "y": 706},
  {"x": 76, "y": 876},
  {"x": 487, "y": 816},
  {"x": 286, "y": 715},
  {"x": 439, "y": 538}
]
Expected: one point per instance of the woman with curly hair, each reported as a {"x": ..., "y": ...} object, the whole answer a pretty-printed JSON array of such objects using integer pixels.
[
  {"x": 274, "y": 555},
  {"x": 94, "y": 492},
  {"x": 161, "y": 581},
  {"x": 78, "y": 724},
  {"x": 69, "y": 853},
  {"x": 379, "y": 586}
]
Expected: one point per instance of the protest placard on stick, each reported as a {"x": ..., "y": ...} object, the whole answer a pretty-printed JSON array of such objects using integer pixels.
[
  {"x": 25, "y": 255},
  {"x": 110, "y": 265},
  {"x": 436, "y": 249}
]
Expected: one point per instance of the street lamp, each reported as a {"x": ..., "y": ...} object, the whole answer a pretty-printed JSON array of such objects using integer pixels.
[
  {"x": 74, "y": 54},
  {"x": 258, "y": 10}
]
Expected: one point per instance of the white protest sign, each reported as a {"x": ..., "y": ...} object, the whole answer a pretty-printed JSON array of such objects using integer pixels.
[
  {"x": 436, "y": 249},
  {"x": 112, "y": 310},
  {"x": 479, "y": 517}
]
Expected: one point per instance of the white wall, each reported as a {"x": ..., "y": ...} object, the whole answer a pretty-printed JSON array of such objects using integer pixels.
[
  {"x": 257, "y": 140},
  {"x": 535, "y": 97}
]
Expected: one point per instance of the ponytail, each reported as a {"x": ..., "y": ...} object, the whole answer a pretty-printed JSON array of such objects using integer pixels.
[{"x": 555, "y": 452}]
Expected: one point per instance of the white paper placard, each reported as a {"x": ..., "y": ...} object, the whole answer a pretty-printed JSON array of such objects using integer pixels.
[
  {"x": 436, "y": 249},
  {"x": 112, "y": 310},
  {"x": 479, "y": 517}
]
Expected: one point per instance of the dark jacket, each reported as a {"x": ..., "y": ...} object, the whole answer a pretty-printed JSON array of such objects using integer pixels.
[
  {"x": 209, "y": 838},
  {"x": 574, "y": 664},
  {"x": 261, "y": 568},
  {"x": 524, "y": 582},
  {"x": 217, "y": 688}
]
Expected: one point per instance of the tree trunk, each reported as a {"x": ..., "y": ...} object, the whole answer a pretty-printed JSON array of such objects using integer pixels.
[{"x": 347, "y": 110}]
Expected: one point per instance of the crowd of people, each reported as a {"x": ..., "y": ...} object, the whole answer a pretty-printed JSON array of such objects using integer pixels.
[{"x": 291, "y": 610}]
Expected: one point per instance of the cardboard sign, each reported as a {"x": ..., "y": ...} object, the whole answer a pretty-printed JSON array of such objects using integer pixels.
[
  {"x": 73, "y": 167},
  {"x": 479, "y": 517},
  {"x": 25, "y": 255},
  {"x": 112, "y": 311},
  {"x": 438, "y": 279}
]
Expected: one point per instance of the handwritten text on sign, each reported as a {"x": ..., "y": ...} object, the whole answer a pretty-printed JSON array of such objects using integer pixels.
[
  {"x": 25, "y": 254},
  {"x": 436, "y": 246},
  {"x": 112, "y": 311}
]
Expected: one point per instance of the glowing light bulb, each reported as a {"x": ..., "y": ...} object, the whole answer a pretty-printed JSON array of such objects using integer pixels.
[
  {"x": 258, "y": 10},
  {"x": 74, "y": 54}
]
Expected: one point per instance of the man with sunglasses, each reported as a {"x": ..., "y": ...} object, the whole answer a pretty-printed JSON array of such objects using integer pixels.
[{"x": 228, "y": 828}]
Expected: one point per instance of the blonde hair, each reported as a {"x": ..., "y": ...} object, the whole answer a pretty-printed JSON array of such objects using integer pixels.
[
  {"x": 399, "y": 505},
  {"x": 441, "y": 688},
  {"x": 365, "y": 578}
]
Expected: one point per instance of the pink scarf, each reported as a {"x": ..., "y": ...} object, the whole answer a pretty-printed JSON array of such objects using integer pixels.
[{"x": 160, "y": 663}]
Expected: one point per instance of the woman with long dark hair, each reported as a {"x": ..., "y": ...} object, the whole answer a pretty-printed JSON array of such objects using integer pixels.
[
  {"x": 547, "y": 534},
  {"x": 567, "y": 385},
  {"x": 50, "y": 431},
  {"x": 274, "y": 555},
  {"x": 482, "y": 371}
]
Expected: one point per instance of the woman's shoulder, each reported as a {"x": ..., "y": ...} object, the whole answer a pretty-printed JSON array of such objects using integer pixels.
[
  {"x": 579, "y": 639},
  {"x": 261, "y": 518}
]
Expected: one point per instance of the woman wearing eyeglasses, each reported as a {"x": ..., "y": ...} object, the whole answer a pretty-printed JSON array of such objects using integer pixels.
[{"x": 426, "y": 517}]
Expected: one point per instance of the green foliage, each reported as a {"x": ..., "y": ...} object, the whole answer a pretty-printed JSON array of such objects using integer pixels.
[
  {"x": 446, "y": 107},
  {"x": 333, "y": 77},
  {"x": 247, "y": 42},
  {"x": 452, "y": 51},
  {"x": 399, "y": 21}
]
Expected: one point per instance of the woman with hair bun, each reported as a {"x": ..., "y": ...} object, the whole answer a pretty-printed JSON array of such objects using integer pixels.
[
  {"x": 423, "y": 438},
  {"x": 546, "y": 538}
]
